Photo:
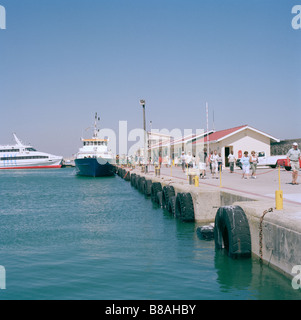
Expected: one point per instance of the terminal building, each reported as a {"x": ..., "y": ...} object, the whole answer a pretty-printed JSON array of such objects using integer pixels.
[{"x": 238, "y": 139}]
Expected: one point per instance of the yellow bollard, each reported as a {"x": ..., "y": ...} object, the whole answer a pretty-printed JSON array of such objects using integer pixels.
[
  {"x": 220, "y": 178},
  {"x": 196, "y": 181},
  {"x": 279, "y": 194},
  {"x": 187, "y": 172},
  {"x": 279, "y": 199}
]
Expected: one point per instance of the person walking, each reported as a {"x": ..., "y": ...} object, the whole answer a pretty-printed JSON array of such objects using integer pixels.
[
  {"x": 253, "y": 163},
  {"x": 202, "y": 163},
  {"x": 232, "y": 161},
  {"x": 209, "y": 160},
  {"x": 245, "y": 161},
  {"x": 189, "y": 160},
  {"x": 214, "y": 164},
  {"x": 160, "y": 161},
  {"x": 220, "y": 162},
  {"x": 294, "y": 156},
  {"x": 183, "y": 161}
]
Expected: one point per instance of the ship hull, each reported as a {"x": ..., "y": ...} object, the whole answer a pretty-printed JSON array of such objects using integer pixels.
[
  {"x": 91, "y": 167},
  {"x": 31, "y": 167},
  {"x": 24, "y": 165}
]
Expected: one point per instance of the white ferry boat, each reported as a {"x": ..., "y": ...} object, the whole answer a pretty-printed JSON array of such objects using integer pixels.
[
  {"x": 22, "y": 156},
  {"x": 94, "y": 159}
]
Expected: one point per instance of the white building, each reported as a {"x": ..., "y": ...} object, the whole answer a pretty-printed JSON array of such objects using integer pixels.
[{"x": 238, "y": 139}]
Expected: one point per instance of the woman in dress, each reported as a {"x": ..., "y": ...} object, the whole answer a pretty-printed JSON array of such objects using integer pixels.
[{"x": 245, "y": 161}]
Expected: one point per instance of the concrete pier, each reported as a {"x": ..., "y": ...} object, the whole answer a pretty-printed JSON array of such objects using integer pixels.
[{"x": 275, "y": 235}]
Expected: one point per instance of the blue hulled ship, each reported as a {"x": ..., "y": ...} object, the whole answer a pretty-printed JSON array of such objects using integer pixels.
[{"x": 94, "y": 159}]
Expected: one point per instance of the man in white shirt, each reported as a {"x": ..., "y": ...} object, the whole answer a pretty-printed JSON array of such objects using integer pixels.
[
  {"x": 232, "y": 160},
  {"x": 189, "y": 159},
  {"x": 214, "y": 163},
  {"x": 293, "y": 156}
]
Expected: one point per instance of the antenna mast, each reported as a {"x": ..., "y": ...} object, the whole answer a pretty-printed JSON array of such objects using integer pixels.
[
  {"x": 95, "y": 125},
  {"x": 207, "y": 136}
]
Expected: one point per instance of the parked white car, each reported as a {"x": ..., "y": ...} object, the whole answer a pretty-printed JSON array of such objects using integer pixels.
[{"x": 263, "y": 160}]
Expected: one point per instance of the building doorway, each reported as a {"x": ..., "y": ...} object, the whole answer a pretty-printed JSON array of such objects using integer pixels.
[{"x": 227, "y": 152}]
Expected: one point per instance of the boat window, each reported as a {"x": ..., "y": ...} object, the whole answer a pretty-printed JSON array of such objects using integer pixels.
[
  {"x": 10, "y": 150},
  {"x": 30, "y": 149},
  {"x": 23, "y": 158}
]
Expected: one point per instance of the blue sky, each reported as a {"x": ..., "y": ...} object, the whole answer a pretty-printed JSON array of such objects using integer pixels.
[{"x": 60, "y": 61}]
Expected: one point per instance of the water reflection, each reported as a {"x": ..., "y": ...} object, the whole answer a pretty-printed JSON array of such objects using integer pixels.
[{"x": 232, "y": 273}]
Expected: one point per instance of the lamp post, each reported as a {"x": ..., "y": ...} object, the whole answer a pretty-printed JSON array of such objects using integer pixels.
[{"x": 142, "y": 103}]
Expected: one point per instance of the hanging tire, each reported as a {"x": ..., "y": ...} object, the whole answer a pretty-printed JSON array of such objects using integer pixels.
[
  {"x": 172, "y": 205},
  {"x": 133, "y": 179},
  {"x": 127, "y": 176},
  {"x": 168, "y": 192},
  {"x": 137, "y": 182},
  {"x": 148, "y": 187},
  {"x": 141, "y": 184},
  {"x": 232, "y": 232},
  {"x": 184, "y": 207},
  {"x": 159, "y": 198},
  {"x": 156, "y": 187}
]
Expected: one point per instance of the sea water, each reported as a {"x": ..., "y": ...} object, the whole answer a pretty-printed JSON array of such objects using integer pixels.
[{"x": 69, "y": 237}]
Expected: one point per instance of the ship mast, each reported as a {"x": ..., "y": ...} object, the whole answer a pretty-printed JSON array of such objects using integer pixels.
[
  {"x": 19, "y": 143},
  {"x": 95, "y": 126}
]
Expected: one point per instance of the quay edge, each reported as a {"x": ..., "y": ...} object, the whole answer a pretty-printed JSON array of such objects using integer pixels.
[{"x": 281, "y": 230}]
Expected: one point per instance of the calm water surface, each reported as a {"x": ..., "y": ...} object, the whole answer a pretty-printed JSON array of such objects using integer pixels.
[{"x": 66, "y": 237}]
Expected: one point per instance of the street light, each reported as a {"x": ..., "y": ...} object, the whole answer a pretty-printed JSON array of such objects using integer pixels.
[{"x": 142, "y": 103}]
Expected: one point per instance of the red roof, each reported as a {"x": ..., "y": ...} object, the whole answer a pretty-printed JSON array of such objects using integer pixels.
[{"x": 219, "y": 134}]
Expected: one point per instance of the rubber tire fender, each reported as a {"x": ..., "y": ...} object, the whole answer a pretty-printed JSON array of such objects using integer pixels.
[
  {"x": 141, "y": 186},
  {"x": 172, "y": 205},
  {"x": 128, "y": 176},
  {"x": 185, "y": 207},
  {"x": 159, "y": 198},
  {"x": 232, "y": 232},
  {"x": 168, "y": 192},
  {"x": 136, "y": 183},
  {"x": 133, "y": 178},
  {"x": 148, "y": 187},
  {"x": 156, "y": 187}
]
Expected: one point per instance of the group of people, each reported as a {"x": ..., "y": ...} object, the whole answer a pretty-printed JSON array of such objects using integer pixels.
[
  {"x": 247, "y": 163},
  {"x": 215, "y": 162}
]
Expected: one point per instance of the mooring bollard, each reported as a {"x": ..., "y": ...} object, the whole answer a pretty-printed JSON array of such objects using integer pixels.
[
  {"x": 196, "y": 181},
  {"x": 279, "y": 194},
  {"x": 157, "y": 171},
  {"x": 192, "y": 178}
]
